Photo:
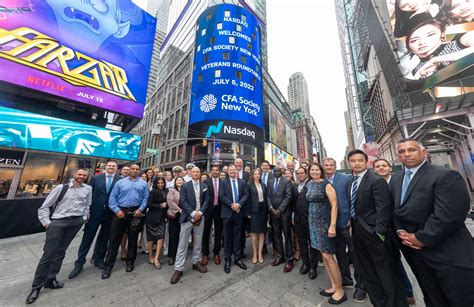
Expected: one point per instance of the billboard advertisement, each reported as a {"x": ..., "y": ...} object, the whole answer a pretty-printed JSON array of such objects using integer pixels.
[
  {"x": 19, "y": 129},
  {"x": 276, "y": 156},
  {"x": 434, "y": 41},
  {"x": 94, "y": 52},
  {"x": 280, "y": 132},
  {"x": 227, "y": 76}
]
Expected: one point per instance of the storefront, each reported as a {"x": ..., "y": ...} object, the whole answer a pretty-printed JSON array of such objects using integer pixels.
[{"x": 222, "y": 153}]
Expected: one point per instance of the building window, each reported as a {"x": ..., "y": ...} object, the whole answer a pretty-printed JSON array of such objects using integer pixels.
[
  {"x": 226, "y": 56},
  {"x": 208, "y": 17},
  {"x": 238, "y": 74},
  {"x": 243, "y": 59},
  {"x": 254, "y": 37},
  {"x": 249, "y": 46},
  {"x": 197, "y": 27},
  {"x": 238, "y": 28},
  {"x": 254, "y": 81},
  {"x": 203, "y": 32},
  {"x": 173, "y": 154},
  {"x": 226, "y": 13},
  {"x": 217, "y": 73},
  {"x": 200, "y": 77},
  {"x": 206, "y": 58},
  {"x": 219, "y": 26},
  {"x": 212, "y": 40},
  {"x": 231, "y": 40},
  {"x": 198, "y": 48}
]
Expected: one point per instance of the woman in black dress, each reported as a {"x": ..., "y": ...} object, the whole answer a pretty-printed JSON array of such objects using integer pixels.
[
  {"x": 257, "y": 211},
  {"x": 155, "y": 220}
]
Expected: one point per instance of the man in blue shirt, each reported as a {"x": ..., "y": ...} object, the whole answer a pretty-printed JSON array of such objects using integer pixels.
[{"x": 128, "y": 200}]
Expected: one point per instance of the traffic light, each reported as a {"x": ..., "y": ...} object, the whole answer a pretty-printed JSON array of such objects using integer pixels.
[{"x": 204, "y": 142}]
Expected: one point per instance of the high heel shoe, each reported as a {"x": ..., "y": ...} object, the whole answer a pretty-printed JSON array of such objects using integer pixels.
[{"x": 254, "y": 260}]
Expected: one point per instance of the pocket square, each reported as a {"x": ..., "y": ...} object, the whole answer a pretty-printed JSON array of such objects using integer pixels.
[{"x": 204, "y": 190}]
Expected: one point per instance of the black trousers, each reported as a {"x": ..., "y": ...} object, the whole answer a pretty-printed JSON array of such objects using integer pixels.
[
  {"x": 344, "y": 248},
  {"x": 376, "y": 262},
  {"x": 282, "y": 226},
  {"x": 309, "y": 255},
  {"x": 215, "y": 219},
  {"x": 100, "y": 218},
  {"x": 117, "y": 229},
  {"x": 442, "y": 284},
  {"x": 59, "y": 235},
  {"x": 233, "y": 237},
  {"x": 174, "y": 229}
]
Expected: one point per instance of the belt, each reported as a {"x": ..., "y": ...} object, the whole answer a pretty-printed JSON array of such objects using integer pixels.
[
  {"x": 129, "y": 208},
  {"x": 69, "y": 217}
]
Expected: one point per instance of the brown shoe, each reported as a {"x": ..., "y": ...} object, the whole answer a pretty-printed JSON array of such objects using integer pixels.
[
  {"x": 199, "y": 267},
  {"x": 217, "y": 259},
  {"x": 277, "y": 262},
  {"x": 176, "y": 276},
  {"x": 288, "y": 266},
  {"x": 205, "y": 260}
]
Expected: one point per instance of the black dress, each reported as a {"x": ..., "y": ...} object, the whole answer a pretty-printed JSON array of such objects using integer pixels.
[
  {"x": 258, "y": 211},
  {"x": 155, "y": 219}
]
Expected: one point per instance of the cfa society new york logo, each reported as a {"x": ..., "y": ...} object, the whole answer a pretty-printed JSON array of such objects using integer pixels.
[{"x": 208, "y": 103}]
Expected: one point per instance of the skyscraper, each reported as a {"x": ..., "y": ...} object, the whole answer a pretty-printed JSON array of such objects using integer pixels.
[{"x": 298, "y": 92}]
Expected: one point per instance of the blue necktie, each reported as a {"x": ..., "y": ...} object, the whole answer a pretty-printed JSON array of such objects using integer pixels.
[
  {"x": 108, "y": 184},
  {"x": 265, "y": 178},
  {"x": 234, "y": 189},
  {"x": 276, "y": 185},
  {"x": 353, "y": 196},
  {"x": 406, "y": 183}
]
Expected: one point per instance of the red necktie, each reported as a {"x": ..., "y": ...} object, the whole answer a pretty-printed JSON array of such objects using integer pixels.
[{"x": 215, "y": 192}]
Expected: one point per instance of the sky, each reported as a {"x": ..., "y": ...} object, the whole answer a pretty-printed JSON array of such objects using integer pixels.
[{"x": 302, "y": 36}]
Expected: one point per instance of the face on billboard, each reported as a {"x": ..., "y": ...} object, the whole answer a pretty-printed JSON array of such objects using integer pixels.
[
  {"x": 96, "y": 52},
  {"x": 434, "y": 39},
  {"x": 26, "y": 130}
]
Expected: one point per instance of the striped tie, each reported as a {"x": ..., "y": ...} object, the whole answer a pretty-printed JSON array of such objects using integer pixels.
[{"x": 353, "y": 196}]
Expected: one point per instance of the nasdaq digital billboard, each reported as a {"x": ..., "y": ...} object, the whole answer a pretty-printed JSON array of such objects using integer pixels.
[
  {"x": 19, "y": 129},
  {"x": 227, "y": 76},
  {"x": 94, "y": 52}
]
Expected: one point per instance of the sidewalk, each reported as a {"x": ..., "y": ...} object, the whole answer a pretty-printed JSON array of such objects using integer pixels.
[{"x": 261, "y": 285}]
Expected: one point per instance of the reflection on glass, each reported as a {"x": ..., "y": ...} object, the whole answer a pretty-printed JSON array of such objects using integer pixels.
[
  {"x": 6, "y": 177},
  {"x": 74, "y": 163}
]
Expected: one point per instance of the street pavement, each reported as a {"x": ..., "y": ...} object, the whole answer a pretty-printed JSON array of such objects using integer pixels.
[{"x": 260, "y": 285}]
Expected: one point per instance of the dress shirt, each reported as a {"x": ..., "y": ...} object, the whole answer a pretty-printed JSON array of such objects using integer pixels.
[
  {"x": 170, "y": 184},
  {"x": 109, "y": 180},
  {"x": 415, "y": 169},
  {"x": 234, "y": 197},
  {"x": 361, "y": 175},
  {"x": 331, "y": 179},
  {"x": 187, "y": 178},
  {"x": 129, "y": 193},
  {"x": 259, "y": 191},
  {"x": 265, "y": 177},
  {"x": 301, "y": 185},
  {"x": 240, "y": 174},
  {"x": 76, "y": 202},
  {"x": 389, "y": 178}
]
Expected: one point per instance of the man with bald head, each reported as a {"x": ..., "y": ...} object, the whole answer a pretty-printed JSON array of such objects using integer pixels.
[{"x": 239, "y": 167}]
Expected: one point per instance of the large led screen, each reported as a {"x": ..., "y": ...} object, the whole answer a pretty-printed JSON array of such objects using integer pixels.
[
  {"x": 19, "y": 129},
  {"x": 227, "y": 76},
  {"x": 94, "y": 52},
  {"x": 434, "y": 40}
]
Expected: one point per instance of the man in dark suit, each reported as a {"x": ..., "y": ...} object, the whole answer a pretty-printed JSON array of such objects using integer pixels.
[
  {"x": 266, "y": 172},
  {"x": 101, "y": 216},
  {"x": 431, "y": 204},
  {"x": 279, "y": 197},
  {"x": 371, "y": 210},
  {"x": 233, "y": 196},
  {"x": 194, "y": 200},
  {"x": 213, "y": 215},
  {"x": 239, "y": 166}
]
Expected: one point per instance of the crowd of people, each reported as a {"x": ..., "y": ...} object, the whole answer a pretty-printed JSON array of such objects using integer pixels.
[{"x": 311, "y": 213}]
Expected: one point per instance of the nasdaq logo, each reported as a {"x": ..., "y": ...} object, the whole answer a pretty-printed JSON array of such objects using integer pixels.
[
  {"x": 229, "y": 130},
  {"x": 214, "y": 129}
]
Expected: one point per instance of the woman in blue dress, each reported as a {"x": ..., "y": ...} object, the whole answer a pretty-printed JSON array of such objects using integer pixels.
[{"x": 322, "y": 215}]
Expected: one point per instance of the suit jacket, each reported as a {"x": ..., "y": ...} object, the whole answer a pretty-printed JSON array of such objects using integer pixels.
[
  {"x": 210, "y": 184},
  {"x": 226, "y": 198},
  {"x": 252, "y": 203},
  {"x": 340, "y": 183},
  {"x": 269, "y": 175},
  {"x": 100, "y": 197},
  {"x": 435, "y": 209},
  {"x": 281, "y": 197},
  {"x": 187, "y": 200},
  {"x": 373, "y": 206},
  {"x": 300, "y": 205},
  {"x": 245, "y": 176}
]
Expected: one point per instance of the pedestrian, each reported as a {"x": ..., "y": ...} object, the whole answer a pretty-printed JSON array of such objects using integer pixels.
[
  {"x": 233, "y": 195},
  {"x": 258, "y": 212},
  {"x": 194, "y": 199},
  {"x": 189, "y": 170},
  {"x": 225, "y": 169},
  {"x": 213, "y": 215},
  {"x": 100, "y": 215},
  {"x": 266, "y": 172},
  {"x": 125, "y": 171},
  {"x": 431, "y": 205},
  {"x": 155, "y": 220},
  {"x": 63, "y": 213},
  {"x": 204, "y": 176},
  {"x": 222, "y": 175},
  {"x": 128, "y": 200},
  {"x": 322, "y": 216},
  {"x": 174, "y": 214},
  {"x": 371, "y": 211},
  {"x": 177, "y": 170},
  {"x": 248, "y": 169},
  {"x": 309, "y": 255}
]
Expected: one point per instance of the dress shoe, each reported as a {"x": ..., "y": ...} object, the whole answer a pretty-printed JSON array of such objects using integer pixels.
[
  {"x": 205, "y": 260},
  {"x": 411, "y": 300},
  {"x": 288, "y": 266},
  {"x": 199, "y": 267},
  {"x": 217, "y": 259},
  {"x": 304, "y": 269},
  {"x": 76, "y": 271},
  {"x": 53, "y": 284},
  {"x": 33, "y": 296},
  {"x": 105, "y": 274},
  {"x": 240, "y": 264},
  {"x": 129, "y": 268},
  {"x": 99, "y": 264},
  {"x": 348, "y": 284},
  {"x": 227, "y": 267},
  {"x": 277, "y": 262},
  {"x": 337, "y": 302},
  {"x": 326, "y": 293},
  {"x": 359, "y": 296},
  {"x": 176, "y": 276},
  {"x": 313, "y": 273},
  {"x": 243, "y": 256},
  {"x": 170, "y": 261}
]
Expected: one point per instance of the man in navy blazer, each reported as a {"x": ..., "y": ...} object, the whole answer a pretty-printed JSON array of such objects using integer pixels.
[
  {"x": 233, "y": 197},
  {"x": 194, "y": 200},
  {"x": 100, "y": 215}
]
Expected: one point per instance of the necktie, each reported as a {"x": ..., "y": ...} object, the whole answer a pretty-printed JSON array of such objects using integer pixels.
[
  {"x": 353, "y": 196},
  {"x": 238, "y": 174},
  {"x": 216, "y": 193},
  {"x": 406, "y": 183},
  {"x": 265, "y": 178},
  {"x": 276, "y": 185},
  {"x": 196, "y": 192},
  {"x": 236, "y": 192},
  {"x": 108, "y": 183}
]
